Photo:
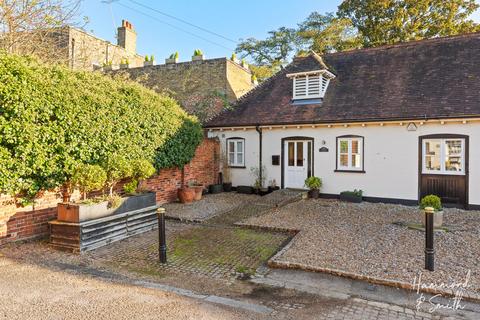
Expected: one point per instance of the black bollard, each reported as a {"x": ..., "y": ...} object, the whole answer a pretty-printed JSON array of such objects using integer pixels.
[
  {"x": 162, "y": 242},
  {"x": 429, "y": 250}
]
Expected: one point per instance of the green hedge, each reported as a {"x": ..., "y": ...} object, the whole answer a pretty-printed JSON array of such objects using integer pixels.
[{"x": 53, "y": 119}]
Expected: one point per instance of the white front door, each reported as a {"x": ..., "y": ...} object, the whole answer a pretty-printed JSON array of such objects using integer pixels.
[{"x": 296, "y": 163}]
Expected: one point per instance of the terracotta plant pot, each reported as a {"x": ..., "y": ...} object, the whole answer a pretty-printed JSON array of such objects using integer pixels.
[
  {"x": 198, "y": 192},
  {"x": 186, "y": 195}
]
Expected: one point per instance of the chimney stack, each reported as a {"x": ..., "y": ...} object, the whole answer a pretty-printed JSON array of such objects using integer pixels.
[{"x": 127, "y": 37}]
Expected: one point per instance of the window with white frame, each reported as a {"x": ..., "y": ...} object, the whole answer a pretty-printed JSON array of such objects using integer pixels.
[
  {"x": 236, "y": 152},
  {"x": 444, "y": 156},
  {"x": 310, "y": 85},
  {"x": 350, "y": 153}
]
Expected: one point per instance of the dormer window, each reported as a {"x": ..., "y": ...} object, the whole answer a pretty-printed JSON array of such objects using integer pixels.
[{"x": 311, "y": 84}]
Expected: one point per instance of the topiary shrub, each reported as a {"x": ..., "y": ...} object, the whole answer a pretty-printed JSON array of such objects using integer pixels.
[
  {"x": 131, "y": 187},
  {"x": 431, "y": 201},
  {"x": 313, "y": 183},
  {"x": 89, "y": 178},
  {"x": 197, "y": 52},
  {"x": 117, "y": 168}
]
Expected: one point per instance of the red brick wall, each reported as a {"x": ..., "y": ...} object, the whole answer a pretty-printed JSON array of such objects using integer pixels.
[{"x": 32, "y": 221}]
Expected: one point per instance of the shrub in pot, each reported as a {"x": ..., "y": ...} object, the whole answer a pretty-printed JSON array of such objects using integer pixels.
[
  {"x": 313, "y": 184},
  {"x": 354, "y": 196},
  {"x": 260, "y": 175},
  {"x": 434, "y": 202},
  {"x": 198, "y": 189}
]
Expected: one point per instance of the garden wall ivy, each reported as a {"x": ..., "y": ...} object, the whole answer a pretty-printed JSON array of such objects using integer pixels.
[{"x": 53, "y": 119}]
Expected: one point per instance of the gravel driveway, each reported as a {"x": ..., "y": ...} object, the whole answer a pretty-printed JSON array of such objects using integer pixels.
[
  {"x": 364, "y": 239},
  {"x": 209, "y": 206}
]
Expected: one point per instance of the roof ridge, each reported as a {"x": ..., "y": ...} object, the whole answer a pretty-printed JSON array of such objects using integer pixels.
[{"x": 406, "y": 43}]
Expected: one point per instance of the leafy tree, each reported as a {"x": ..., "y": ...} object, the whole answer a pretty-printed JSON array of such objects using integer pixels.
[
  {"x": 117, "y": 168},
  {"x": 274, "y": 51},
  {"x": 328, "y": 33},
  {"x": 32, "y": 26},
  {"x": 262, "y": 72},
  {"x": 390, "y": 21},
  {"x": 89, "y": 178}
]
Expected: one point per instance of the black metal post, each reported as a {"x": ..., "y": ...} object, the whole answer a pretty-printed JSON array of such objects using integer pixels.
[
  {"x": 429, "y": 249},
  {"x": 162, "y": 242}
]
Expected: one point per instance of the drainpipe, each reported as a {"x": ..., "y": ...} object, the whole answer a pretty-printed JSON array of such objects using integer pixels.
[{"x": 260, "y": 169}]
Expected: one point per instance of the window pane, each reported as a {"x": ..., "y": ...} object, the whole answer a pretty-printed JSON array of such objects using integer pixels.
[
  {"x": 453, "y": 155},
  {"x": 432, "y": 155},
  {"x": 231, "y": 158},
  {"x": 291, "y": 154},
  {"x": 239, "y": 158},
  {"x": 299, "y": 154},
  {"x": 239, "y": 146},
  {"x": 344, "y": 160},
  {"x": 354, "y": 146},
  {"x": 231, "y": 146},
  {"x": 343, "y": 146},
  {"x": 356, "y": 161}
]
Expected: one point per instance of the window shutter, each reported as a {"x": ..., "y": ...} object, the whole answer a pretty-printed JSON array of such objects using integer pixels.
[
  {"x": 300, "y": 87},
  {"x": 314, "y": 85}
]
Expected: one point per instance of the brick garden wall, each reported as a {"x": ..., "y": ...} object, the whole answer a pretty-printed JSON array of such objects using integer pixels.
[{"x": 32, "y": 221}]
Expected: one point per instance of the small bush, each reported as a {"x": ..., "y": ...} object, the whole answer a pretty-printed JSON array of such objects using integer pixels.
[
  {"x": 117, "y": 168},
  {"x": 174, "y": 55},
  {"x": 197, "y": 52},
  {"x": 89, "y": 178},
  {"x": 131, "y": 187},
  {"x": 355, "y": 192},
  {"x": 313, "y": 183},
  {"x": 431, "y": 201},
  {"x": 142, "y": 169}
]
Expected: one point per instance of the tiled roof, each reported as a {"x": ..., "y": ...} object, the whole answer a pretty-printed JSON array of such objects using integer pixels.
[{"x": 436, "y": 78}]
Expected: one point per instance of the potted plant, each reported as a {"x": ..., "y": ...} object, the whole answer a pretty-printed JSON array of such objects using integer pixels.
[
  {"x": 172, "y": 59},
  {"x": 226, "y": 175},
  {"x": 273, "y": 186},
  {"x": 108, "y": 65},
  {"x": 198, "y": 189},
  {"x": 254, "y": 80},
  {"x": 215, "y": 188},
  {"x": 234, "y": 58},
  {"x": 434, "y": 202},
  {"x": 313, "y": 184},
  {"x": 124, "y": 64},
  {"x": 148, "y": 61},
  {"x": 354, "y": 196},
  {"x": 197, "y": 55},
  {"x": 244, "y": 64}
]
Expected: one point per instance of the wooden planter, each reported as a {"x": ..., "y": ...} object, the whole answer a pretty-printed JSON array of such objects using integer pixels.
[{"x": 97, "y": 227}]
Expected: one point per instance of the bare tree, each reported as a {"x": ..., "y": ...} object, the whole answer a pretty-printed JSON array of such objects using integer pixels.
[{"x": 36, "y": 27}]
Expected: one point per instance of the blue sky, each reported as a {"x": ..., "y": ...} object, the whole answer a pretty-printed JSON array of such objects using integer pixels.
[{"x": 231, "y": 19}]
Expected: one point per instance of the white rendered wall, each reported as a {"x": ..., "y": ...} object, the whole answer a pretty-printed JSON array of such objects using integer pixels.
[{"x": 390, "y": 155}]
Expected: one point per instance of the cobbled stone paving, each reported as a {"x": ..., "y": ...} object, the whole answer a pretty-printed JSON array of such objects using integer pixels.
[
  {"x": 217, "y": 252},
  {"x": 359, "y": 309},
  {"x": 214, "y": 248}
]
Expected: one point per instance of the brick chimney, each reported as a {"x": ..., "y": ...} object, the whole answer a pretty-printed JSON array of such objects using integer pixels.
[{"x": 127, "y": 37}]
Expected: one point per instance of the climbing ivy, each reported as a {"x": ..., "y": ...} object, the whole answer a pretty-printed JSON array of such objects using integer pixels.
[{"x": 52, "y": 120}]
